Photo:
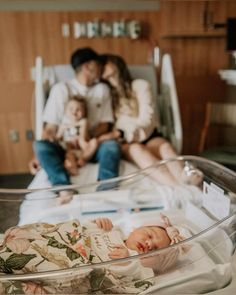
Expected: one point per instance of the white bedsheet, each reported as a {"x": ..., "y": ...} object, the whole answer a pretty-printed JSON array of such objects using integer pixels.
[
  {"x": 40, "y": 206},
  {"x": 87, "y": 174},
  {"x": 43, "y": 206},
  {"x": 200, "y": 277}
]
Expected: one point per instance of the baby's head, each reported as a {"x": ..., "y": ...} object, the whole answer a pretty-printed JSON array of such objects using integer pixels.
[
  {"x": 153, "y": 236},
  {"x": 76, "y": 108},
  {"x": 146, "y": 238}
]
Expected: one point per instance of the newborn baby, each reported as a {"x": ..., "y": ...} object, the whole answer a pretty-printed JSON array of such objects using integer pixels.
[
  {"x": 43, "y": 247},
  {"x": 111, "y": 243}
]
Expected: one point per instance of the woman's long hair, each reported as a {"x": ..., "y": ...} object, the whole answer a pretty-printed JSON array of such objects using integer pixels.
[{"x": 124, "y": 77}]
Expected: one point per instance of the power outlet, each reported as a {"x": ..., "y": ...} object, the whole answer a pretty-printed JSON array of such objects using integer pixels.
[
  {"x": 29, "y": 134},
  {"x": 14, "y": 135}
]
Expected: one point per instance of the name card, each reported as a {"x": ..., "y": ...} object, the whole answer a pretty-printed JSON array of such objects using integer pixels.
[{"x": 215, "y": 201}]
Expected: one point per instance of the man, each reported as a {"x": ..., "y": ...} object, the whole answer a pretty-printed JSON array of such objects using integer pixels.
[{"x": 49, "y": 153}]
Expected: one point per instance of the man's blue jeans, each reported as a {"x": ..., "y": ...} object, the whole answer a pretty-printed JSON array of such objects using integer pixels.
[
  {"x": 51, "y": 157},
  {"x": 108, "y": 156}
]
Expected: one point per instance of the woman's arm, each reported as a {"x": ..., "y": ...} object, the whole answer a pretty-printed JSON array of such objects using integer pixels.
[
  {"x": 146, "y": 104},
  {"x": 115, "y": 134},
  {"x": 138, "y": 128}
]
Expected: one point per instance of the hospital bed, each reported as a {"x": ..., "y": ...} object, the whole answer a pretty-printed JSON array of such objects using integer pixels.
[
  {"x": 167, "y": 108},
  {"x": 206, "y": 211}
]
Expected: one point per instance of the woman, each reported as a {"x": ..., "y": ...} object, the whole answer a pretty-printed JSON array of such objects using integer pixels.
[{"x": 136, "y": 121}]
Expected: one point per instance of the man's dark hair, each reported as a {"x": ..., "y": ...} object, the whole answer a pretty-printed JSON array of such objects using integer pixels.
[{"x": 83, "y": 55}]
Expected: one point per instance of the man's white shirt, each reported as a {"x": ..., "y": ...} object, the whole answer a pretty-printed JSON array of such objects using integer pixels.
[{"x": 97, "y": 97}]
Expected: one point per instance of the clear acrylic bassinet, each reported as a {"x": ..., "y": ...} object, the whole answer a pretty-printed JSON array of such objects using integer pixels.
[{"x": 202, "y": 206}]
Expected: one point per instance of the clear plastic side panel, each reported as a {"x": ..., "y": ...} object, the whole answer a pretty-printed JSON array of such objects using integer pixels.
[
  {"x": 204, "y": 258},
  {"x": 57, "y": 247}
]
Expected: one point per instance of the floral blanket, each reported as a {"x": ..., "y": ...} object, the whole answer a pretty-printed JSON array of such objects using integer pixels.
[{"x": 44, "y": 247}]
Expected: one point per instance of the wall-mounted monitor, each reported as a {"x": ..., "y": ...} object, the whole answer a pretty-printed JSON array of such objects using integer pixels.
[{"x": 231, "y": 34}]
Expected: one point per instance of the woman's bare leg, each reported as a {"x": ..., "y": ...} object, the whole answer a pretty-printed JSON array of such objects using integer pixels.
[
  {"x": 163, "y": 149},
  {"x": 143, "y": 158}
]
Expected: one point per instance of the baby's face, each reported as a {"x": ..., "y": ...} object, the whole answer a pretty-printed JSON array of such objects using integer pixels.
[
  {"x": 74, "y": 110},
  {"x": 147, "y": 238}
]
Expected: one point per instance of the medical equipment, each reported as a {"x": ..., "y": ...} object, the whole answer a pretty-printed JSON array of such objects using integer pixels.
[{"x": 203, "y": 204}]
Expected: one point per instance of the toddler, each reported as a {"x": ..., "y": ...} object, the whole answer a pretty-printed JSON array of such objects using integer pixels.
[{"x": 74, "y": 136}]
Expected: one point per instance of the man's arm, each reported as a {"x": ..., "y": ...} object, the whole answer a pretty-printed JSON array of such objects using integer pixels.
[
  {"x": 50, "y": 132},
  {"x": 34, "y": 165},
  {"x": 100, "y": 129}
]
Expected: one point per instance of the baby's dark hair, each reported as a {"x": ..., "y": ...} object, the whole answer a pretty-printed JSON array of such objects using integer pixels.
[{"x": 82, "y": 102}]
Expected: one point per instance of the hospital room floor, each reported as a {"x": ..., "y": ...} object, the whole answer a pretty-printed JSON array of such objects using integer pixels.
[{"x": 15, "y": 181}]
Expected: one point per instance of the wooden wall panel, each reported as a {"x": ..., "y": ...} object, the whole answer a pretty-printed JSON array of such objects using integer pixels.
[
  {"x": 15, "y": 155},
  {"x": 185, "y": 16},
  {"x": 196, "y": 62},
  {"x": 197, "y": 56},
  {"x": 197, "y": 53},
  {"x": 193, "y": 93},
  {"x": 16, "y": 113}
]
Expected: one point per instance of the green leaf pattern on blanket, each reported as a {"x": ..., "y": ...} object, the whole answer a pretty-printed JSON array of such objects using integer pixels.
[
  {"x": 44, "y": 247},
  {"x": 96, "y": 279},
  {"x": 18, "y": 261},
  {"x": 99, "y": 280},
  {"x": 143, "y": 283},
  {"x": 15, "y": 262},
  {"x": 74, "y": 255},
  {"x": 54, "y": 243},
  {"x": 2, "y": 265}
]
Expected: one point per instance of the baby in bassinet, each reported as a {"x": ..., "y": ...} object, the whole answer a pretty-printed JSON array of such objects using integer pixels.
[
  {"x": 111, "y": 243},
  {"x": 41, "y": 247},
  {"x": 73, "y": 134}
]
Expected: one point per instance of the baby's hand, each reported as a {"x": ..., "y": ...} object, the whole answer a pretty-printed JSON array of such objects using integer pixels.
[
  {"x": 120, "y": 251},
  {"x": 104, "y": 223}
]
